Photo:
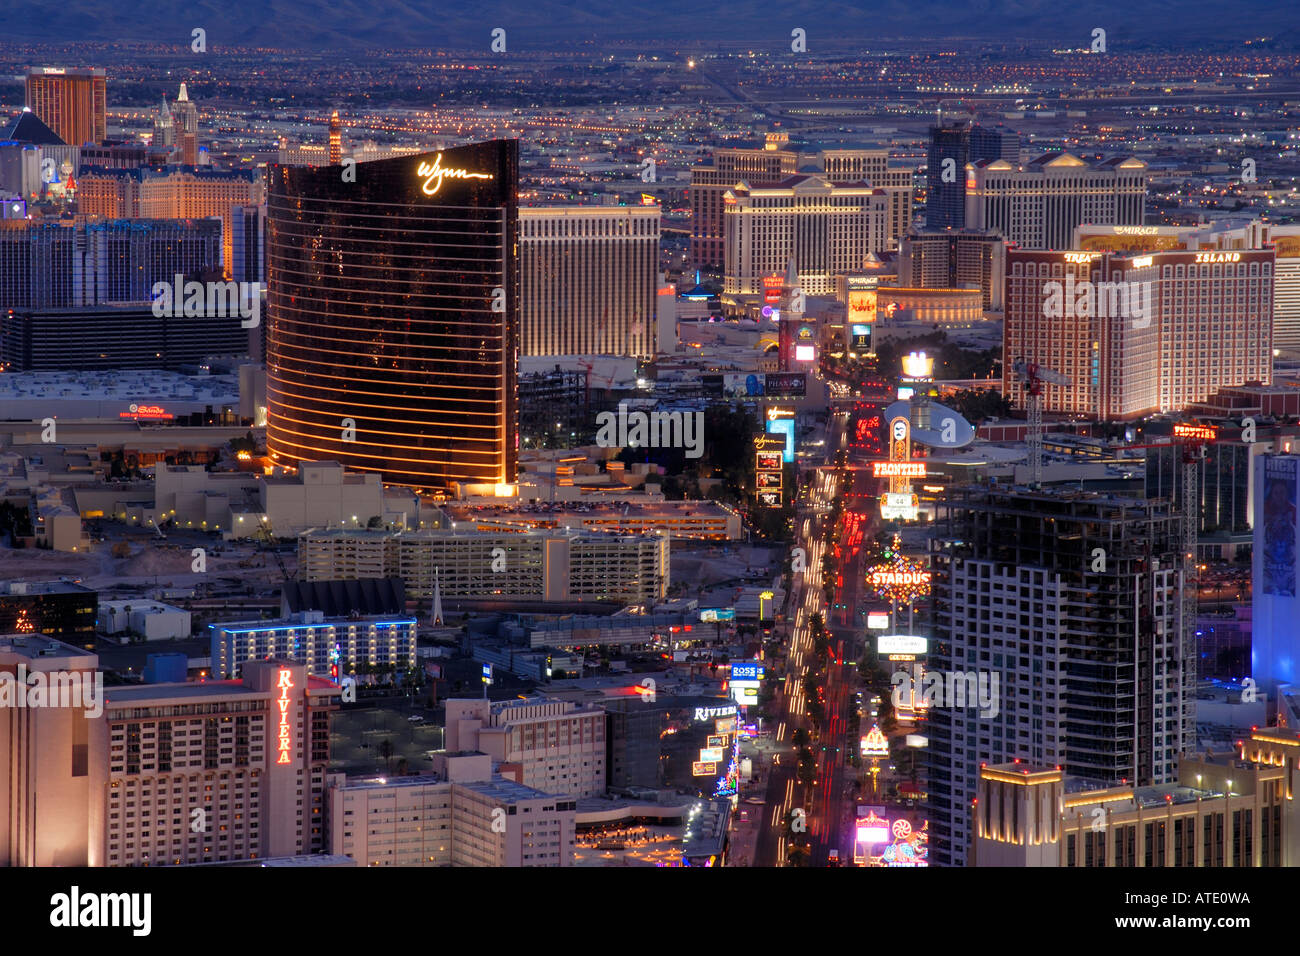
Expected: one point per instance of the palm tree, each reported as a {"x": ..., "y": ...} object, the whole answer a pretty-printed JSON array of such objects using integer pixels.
[{"x": 386, "y": 751}]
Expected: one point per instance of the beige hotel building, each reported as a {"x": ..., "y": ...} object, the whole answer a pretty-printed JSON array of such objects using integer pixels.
[
  {"x": 1236, "y": 810},
  {"x": 589, "y": 280},
  {"x": 556, "y": 565},
  {"x": 167, "y": 774},
  {"x": 826, "y": 230}
]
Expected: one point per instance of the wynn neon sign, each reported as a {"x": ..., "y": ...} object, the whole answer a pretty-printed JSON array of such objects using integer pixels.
[{"x": 435, "y": 174}]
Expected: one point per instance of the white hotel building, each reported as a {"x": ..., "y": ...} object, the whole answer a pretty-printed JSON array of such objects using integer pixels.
[
  {"x": 826, "y": 229},
  {"x": 1039, "y": 204}
]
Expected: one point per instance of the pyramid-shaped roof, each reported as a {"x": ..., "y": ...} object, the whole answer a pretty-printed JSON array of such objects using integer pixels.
[{"x": 28, "y": 128}]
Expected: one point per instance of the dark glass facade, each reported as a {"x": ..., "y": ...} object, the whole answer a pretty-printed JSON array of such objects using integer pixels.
[{"x": 392, "y": 311}]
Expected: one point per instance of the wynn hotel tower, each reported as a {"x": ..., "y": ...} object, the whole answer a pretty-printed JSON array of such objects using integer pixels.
[{"x": 392, "y": 315}]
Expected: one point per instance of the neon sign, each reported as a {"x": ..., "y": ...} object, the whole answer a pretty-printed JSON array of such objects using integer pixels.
[
  {"x": 1199, "y": 432},
  {"x": 435, "y": 174},
  {"x": 1218, "y": 257},
  {"x": 898, "y": 469},
  {"x": 145, "y": 411},
  {"x": 286, "y": 683}
]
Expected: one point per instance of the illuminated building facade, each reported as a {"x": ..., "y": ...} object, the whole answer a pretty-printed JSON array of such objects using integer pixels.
[
  {"x": 1164, "y": 331},
  {"x": 1096, "y": 668},
  {"x": 392, "y": 310},
  {"x": 164, "y": 774},
  {"x": 336, "y": 139},
  {"x": 244, "y": 760},
  {"x": 1039, "y": 204},
  {"x": 57, "y": 609},
  {"x": 589, "y": 278},
  {"x": 776, "y": 161},
  {"x": 330, "y": 648},
  {"x": 57, "y": 266},
  {"x": 828, "y": 230},
  {"x": 169, "y": 192},
  {"x": 73, "y": 103},
  {"x": 955, "y": 259},
  {"x": 1222, "y": 236},
  {"x": 52, "y": 760},
  {"x": 1235, "y": 810}
]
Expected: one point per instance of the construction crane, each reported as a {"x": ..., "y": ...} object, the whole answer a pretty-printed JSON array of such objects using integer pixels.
[
  {"x": 267, "y": 540},
  {"x": 1034, "y": 376}
]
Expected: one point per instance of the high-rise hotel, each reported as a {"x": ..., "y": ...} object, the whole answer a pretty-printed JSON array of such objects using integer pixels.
[
  {"x": 1137, "y": 334},
  {"x": 160, "y": 774},
  {"x": 73, "y": 103},
  {"x": 590, "y": 280},
  {"x": 1039, "y": 204},
  {"x": 825, "y": 229},
  {"x": 392, "y": 309},
  {"x": 776, "y": 161}
]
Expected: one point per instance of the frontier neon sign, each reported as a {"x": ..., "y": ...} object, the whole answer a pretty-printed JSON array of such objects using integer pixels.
[
  {"x": 435, "y": 174},
  {"x": 285, "y": 685}
]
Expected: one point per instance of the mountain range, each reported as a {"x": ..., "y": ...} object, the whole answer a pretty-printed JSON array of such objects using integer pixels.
[{"x": 321, "y": 25}]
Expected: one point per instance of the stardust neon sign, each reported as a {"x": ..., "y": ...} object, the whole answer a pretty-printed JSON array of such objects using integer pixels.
[
  {"x": 284, "y": 686},
  {"x": 434, "y": 175}
]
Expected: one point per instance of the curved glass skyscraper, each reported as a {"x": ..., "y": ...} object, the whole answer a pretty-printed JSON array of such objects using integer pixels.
[{"x": 392, "y": 310}]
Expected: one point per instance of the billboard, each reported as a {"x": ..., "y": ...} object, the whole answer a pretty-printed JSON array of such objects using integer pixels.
[
  {"x": 873, "y": 826},
  {"x": 703, "y": 769},
  {"x": 901, "y": 644},
  {"x": 748, "y": 670},
  {"x": 715, "y": 614},
  {"x": 900, "y": 506},
  {"x": 877, "y": 620},
  {"x": 769, "y": 480},
  {"x": 768, "y": 461},
  {"x": 860, "y": 337},
  {"x": 756, "y": 385},
  {"x": 1279, "y": 532},
  {"x": 787, "y": 384},
  {"x": 719, "y": 740},
  {"x": 744, "y": 385},
  {"x": 805, "y": 353},
  {"x": 862, "y": 306},
  {"x": 769, "y": 499},
  {"x": 898, "y": 469},
  {"x": 784, "y": 427}
]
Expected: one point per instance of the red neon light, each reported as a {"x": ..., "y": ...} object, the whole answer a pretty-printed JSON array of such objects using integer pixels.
[{"x": 285, "y": 684}]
